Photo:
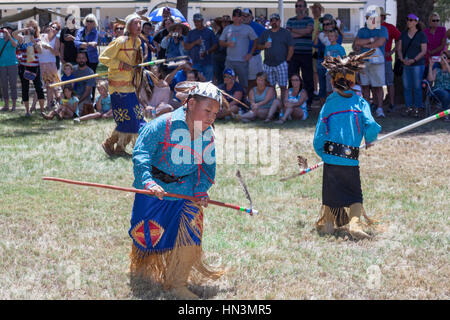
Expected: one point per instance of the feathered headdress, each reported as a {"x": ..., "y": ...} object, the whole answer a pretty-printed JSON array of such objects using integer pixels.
[{"x": 343, "y": 70}]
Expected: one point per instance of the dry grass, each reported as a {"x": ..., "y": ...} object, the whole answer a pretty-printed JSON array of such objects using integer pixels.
[{"x": 70, "y": 242}]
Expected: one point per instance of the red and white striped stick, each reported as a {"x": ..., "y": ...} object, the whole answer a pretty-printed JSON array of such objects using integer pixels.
[{"x": 389, "y": 135}]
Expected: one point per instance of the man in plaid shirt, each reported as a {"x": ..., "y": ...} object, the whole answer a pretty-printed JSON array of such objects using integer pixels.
[{"x": 279, "y": 48}]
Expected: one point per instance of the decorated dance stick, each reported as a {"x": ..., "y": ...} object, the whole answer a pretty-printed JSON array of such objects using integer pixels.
[
  {"x": 101, "y": 74},
  {"x": 166, "y": 194},
  {"x": 244, "y": 187},
  {"x": 389, "y": 135}
]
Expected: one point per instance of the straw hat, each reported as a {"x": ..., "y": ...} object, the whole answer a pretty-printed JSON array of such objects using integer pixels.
[{"x": 183, "y": 27}]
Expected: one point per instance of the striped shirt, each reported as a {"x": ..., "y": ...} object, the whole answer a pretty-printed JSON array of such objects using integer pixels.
[
  {"x": 23, "y": 57},
  {"x": 303, "y": 44}
]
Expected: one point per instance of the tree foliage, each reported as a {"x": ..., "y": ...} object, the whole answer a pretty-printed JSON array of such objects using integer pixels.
[
  {"x": 442, "y": 7},
  {"x": 421, "y": 8}
]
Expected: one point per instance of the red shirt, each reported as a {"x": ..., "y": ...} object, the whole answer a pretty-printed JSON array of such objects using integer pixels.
[{"x": 394, "y": 33}]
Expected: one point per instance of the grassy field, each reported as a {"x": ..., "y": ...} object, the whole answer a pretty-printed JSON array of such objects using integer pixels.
[{"x": 71, "y": 242}]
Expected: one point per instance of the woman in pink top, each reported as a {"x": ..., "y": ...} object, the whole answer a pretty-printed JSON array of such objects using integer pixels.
[{"x": 437, "y": 39}]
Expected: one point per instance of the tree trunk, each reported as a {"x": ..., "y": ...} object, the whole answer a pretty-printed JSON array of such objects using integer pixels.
[
  {"x": 422, "y": 9},
  {"x": 182, "y": 5}
]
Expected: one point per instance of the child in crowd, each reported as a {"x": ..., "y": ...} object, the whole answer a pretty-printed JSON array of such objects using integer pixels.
[
  {"x": 102, "y": 104},
  {"x": 192, "y": 75},
  {"x": 333, "y": 50},
  {"x": 67, "y": 70},
  {"x": 161, "y": 93},
  {"x": 68, "y": 106}
]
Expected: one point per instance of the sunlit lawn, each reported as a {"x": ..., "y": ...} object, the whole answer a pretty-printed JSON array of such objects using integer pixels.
[{"x": 61, "y": 241}]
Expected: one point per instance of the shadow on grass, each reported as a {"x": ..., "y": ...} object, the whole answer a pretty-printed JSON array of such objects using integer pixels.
[
  {"x": 145, "y": 289},
  {"x": 24, "y": 126}
]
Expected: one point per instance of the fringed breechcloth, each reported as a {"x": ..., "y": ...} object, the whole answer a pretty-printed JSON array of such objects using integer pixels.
[
  {"x": 341, "y": 188},
  {"x": 167, "y": 239},
  {"x": 129, "y": 117}
]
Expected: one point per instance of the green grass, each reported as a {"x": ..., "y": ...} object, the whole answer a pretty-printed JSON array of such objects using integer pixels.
[{"x": 71, "y": 242}]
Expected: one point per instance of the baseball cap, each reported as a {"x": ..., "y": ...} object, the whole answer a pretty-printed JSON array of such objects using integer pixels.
[
  {"x": 237, "y": 12},
  {"x": 274, "y": 16},
  {"x": 326, "y": 16},
  {"x": 198, "y": 16},
  {"x": 247, "y": 11},
  {"x": 229, "y": 71}
]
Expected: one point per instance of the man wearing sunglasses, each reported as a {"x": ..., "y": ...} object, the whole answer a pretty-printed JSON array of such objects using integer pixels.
[
  {"x": 301, "y": 27},
  {"x": 278, "y": 48}
]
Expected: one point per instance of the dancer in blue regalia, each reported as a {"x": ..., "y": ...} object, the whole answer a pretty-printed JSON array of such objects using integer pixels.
[
  {"x": 174, "y": 153},
  {"x": 345, "y": 119}
]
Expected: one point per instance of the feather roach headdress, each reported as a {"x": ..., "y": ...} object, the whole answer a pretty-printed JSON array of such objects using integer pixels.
[{"x": 343, "y": 70}]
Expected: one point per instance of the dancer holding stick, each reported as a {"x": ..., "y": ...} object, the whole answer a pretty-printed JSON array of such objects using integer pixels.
[{"x": 410, "y": 127}]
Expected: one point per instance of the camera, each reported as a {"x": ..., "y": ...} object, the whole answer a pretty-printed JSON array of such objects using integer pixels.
[
  {"x": 175, "y": 34},
  {"x": 436, "y": 58}
]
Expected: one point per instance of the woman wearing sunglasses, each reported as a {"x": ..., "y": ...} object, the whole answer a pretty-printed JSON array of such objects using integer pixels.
[
  {"x": 437, "y": 39},
  {"x": 411, "y": 50},
  {"x": 47, "y": 61},
  {"x": 87, "y": 39}
]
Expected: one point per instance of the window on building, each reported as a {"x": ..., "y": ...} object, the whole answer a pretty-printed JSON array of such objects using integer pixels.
[{"x": 344, "y": 16}]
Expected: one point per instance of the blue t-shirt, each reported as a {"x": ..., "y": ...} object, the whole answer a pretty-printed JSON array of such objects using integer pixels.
[
  {"x": 259, "y": 29},
  {"x": 67, "y": 78},
  {"x": 321, "y": 46},
  {"x": 180, "y": 76},
  {"x": 335, "y": 50},
  {"x": 236, "y": 87},
  {"x": 106, "y": 103},
  {"x": 8, "y": 57},
  {"x": 366, "y": 33},
  {"x": 302, "y": 45},
  {"x": 209, "y": 39}
]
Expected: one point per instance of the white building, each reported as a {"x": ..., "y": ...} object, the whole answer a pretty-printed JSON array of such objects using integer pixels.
[{"x": 350, "y": 12}]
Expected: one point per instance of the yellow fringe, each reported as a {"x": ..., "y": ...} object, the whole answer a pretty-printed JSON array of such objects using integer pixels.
[
  {"x": 125, "y": 138},
  {"x": 184, "y": 262},
  {"x": 340, "y": 216}
]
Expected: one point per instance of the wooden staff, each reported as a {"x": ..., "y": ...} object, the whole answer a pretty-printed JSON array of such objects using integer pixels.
[
  {"x": 101, "y": 74},
  {"x": 147, "y": 192},
  {"x": 389, "y": 135}
]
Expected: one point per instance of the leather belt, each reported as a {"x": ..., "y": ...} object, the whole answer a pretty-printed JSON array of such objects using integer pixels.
[
  {"x": 341, "y": 150},
  {"x": 164, "y": 177}
]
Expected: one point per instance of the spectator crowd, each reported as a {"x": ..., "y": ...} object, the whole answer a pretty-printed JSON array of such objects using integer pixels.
[{"x": 269, "y": 71}]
